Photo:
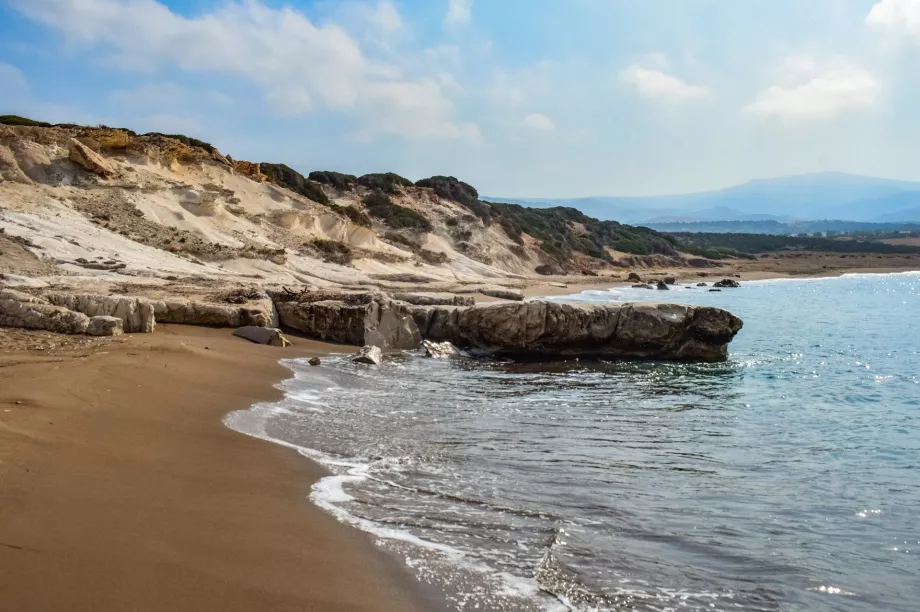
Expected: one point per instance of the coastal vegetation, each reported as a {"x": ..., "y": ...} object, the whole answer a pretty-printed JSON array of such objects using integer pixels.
[
  {"x": 285, "y": 176},
  {"x": 750, "y": 244},
  {"x": 381, "y": 206}
]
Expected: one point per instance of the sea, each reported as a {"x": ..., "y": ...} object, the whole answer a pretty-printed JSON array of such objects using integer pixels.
[{"x": 786, "y": 478}]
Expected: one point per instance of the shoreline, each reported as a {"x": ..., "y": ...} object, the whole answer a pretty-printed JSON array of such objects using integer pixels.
[
  {"x": 601, "y": 283},
  {"x": 122, "y": 487}
]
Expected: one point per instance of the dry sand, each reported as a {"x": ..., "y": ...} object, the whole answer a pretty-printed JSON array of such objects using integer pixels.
[{"x": 121, "y": 489}]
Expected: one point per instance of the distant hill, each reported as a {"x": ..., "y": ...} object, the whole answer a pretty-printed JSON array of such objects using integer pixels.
[{"x": 829, "y": 195}]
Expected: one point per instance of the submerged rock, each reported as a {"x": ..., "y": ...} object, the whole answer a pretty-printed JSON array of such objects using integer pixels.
[
  {"x": 439, "y": 350},
  {"x": 702, "y": 285},
  {"x": 642, "y": 286},
  {"x": 371, "y": 355}
]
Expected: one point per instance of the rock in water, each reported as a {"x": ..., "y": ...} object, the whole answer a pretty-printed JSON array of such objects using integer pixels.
[
  {"x": 541, "y": 330},
  {"x": 642, "y": 286},
  {"x": 262, "y": 335},
  {"x": 105, "y": 326},
  {"x": 715, "y": 290},
  {"x": 702, "y": 285},
  {"x": 663, "y": 286},
  {"x": 727, "y": 282},
  {"x": 315, "y": 361},
  {"x": 439, "y": 350},
  {"x": 371, "y": 355}
]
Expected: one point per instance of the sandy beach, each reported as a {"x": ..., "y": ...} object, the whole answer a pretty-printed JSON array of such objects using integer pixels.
[{"x": 121, "y": 489}]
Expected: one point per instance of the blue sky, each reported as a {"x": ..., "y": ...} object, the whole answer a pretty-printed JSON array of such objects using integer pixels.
[{"x": 545, "y": 98}]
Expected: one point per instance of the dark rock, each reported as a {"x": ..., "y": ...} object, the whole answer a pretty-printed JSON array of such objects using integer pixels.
[
  {"x": 642, "y": 286},
  {"x": 702, "y": 285},
  {"x": 727, "y": 282},
  {"x": 670, "y": 280},
  {"x": 371, "y": 355},
  {"x": 315, "y": 361},
  {"x": 663, "y": 286},
  {"x": 634, "y": 278}
]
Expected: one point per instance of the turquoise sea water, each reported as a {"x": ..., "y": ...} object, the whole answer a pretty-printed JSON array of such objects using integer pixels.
[{"x": 787, "y": 478}]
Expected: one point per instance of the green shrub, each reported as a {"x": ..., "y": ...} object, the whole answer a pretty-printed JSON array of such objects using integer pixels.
[
  {"x": 186, "y": 140},
  {"x": 464, "y": 194},
  {"x": 387, "y": 182},
  {"x": 358, "y": 217},
  {"x": 333, "y": 251},
  {"x": 380, "y": 205},
  {"x": 17, "y": 120},
  {"x": 433, "y": 258},
  {"x": 334, "y": 179},
  {"x": 285, "y": 176}
]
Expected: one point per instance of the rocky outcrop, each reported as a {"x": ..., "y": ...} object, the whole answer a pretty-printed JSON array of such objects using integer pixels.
[
  {"x": 249, "y": 170},
  {"x": 89, "y": 159},
  {"x": 25, "y": 311},
  {"x": 371, "y": 355},
  {"x": 503, "y": 294},
  {"x": 727, "y": 282},
  {"x": 435, "y": 299},
  {"x": 545, "y": 330},
  {"x": 262, "y": 335},
  {"x": 136, "y": 314},
  {"x": 379, "y": 321},
  {"x": 105, "y": 326},
  {"x": 181, "y": 311},
  {"x": 439, "y": 350},
  {"x": 663, "y": 286}
]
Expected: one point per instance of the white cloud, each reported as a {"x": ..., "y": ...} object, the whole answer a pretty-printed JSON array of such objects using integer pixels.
[
  {"x": 659, "y": 85},
  {"x": 386, "y": 17},
  {"x": 151, "y": 94},
  {"x": 12, "y": 82},
  {"x": 899, "y": 16},
  {"x": 298, "y": 65},
  {"x": 459, "y": 12},
  {"x": 823, "y": 97},
  {"x": 539, "y": 123}
]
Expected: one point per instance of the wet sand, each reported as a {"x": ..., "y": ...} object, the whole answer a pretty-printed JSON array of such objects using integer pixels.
[{"x": 121, "y": 489}]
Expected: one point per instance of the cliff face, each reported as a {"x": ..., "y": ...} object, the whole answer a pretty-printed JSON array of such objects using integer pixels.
[{"x": 101, "y": 205}]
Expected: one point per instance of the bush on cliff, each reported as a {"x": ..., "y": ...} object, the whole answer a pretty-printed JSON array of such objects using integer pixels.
[
  {"x": 285, "y": 176},
  {"x": 388, "y": 182},
  {"x": 334, "y": 179},
  {"x": 380, "y": 205},
  {"x": 451, "y": 188},
  {"x": 333, "y": 251},
  {"x": 17, "y": 120}
]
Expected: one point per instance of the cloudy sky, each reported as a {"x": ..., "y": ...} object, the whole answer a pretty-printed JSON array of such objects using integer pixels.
[{"x": 545, "y": 98}]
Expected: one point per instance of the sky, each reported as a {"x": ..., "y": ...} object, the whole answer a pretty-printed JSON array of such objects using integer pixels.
[{"x": 520, "y": 98}]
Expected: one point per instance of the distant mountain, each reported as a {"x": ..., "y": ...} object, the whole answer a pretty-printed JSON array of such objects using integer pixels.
[
  {"x": 910, "y": 215},
  {"x": 829, "y": 195}
]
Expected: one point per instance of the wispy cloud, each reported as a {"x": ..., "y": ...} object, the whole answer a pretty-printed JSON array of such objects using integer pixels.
[
  {"x": 822, "y": 97},
  {"x": 539, "y": 123},
  {"x": 459, "y": 12},
  {"x": 298, "y": 65},
  {"x": 657, "y": 84},
  {"x": 901, "y": 17}
]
